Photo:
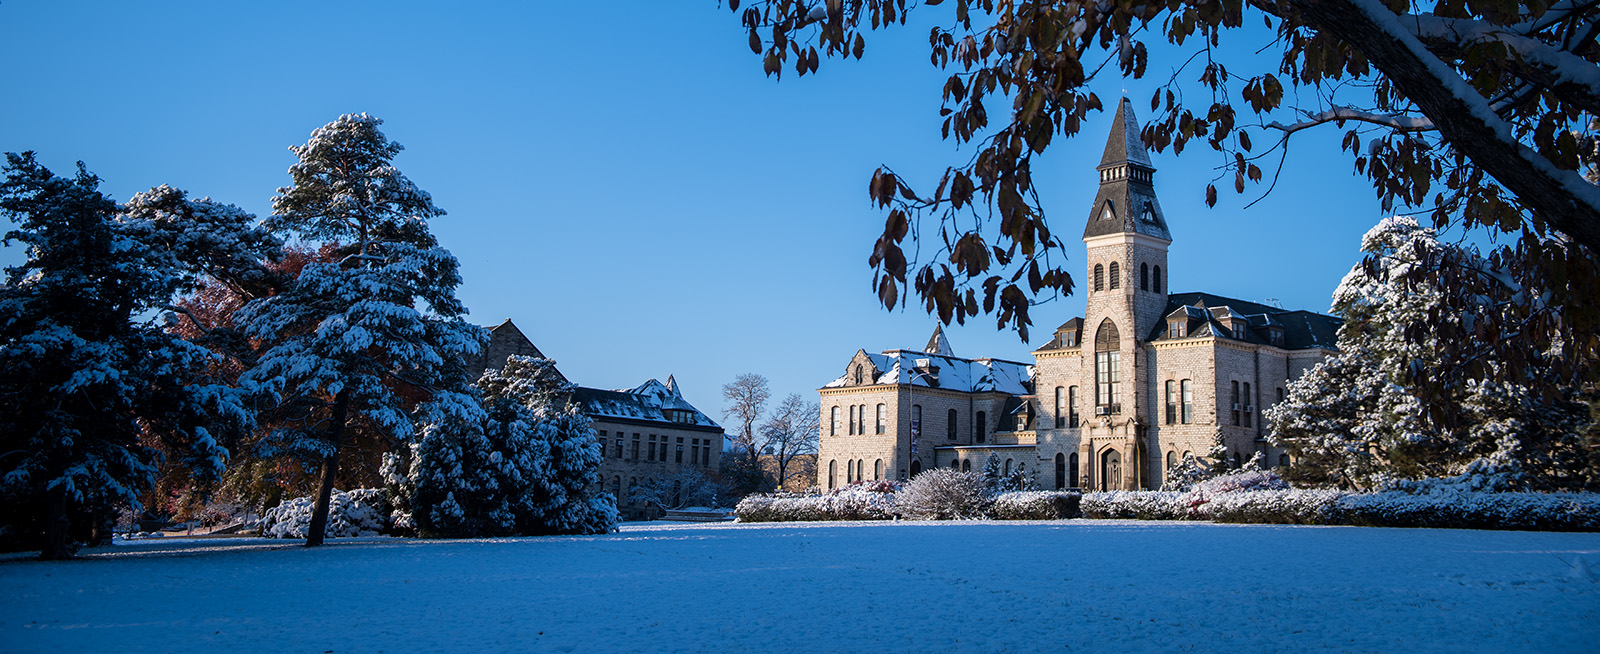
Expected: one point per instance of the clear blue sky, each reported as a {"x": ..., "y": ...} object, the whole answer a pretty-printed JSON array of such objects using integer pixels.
[{"x": 621, "y": 179}]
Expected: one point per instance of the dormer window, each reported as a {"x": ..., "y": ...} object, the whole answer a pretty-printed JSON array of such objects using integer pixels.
[
  {"x": 1106, "y": 213},
  {"x": 1149, "y": 213},
  {"x": 1069, "y": 339},
  {"x": 1176, "y": 329}
]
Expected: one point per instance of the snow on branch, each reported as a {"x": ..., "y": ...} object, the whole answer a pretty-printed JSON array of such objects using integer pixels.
[
  {"x": 1340, "y": 114},
  {"x": 1532, "y": 59}
]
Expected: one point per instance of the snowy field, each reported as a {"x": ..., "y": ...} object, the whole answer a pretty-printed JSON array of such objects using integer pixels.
[{"x": 1081, "y": 585}]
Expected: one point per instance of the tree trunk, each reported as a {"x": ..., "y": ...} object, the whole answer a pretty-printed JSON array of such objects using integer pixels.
[
  {"x": 330, "y": 470},
  {"x": 56, "y": 545}
]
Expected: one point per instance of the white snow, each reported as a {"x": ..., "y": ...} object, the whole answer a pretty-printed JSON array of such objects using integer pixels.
[{"x": 1082, "y": 585}]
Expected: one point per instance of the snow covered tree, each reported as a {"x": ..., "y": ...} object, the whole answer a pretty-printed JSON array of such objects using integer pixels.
[
  {"x": 1478, "y": 112},
  {"x": 525, "y": 465},
  {"x": 1360, "y": 416},
  {"x": 350, "y": 339},
  {"x": 1187, "y": 474},
  {"x": 997, "y": 480},
  {"x": 790, "y": 433},
  {"x": 94, "y": 387},
  {"x": 684, "y": 488}
]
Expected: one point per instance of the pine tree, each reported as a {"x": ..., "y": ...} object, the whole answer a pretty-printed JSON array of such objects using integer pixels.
[
  {"x": 375, "y": 339},
  {"x": 91, "y": 383}
]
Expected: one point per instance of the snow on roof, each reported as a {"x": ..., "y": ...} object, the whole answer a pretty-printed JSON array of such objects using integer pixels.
[
  {"x": 954, "y": 373},
  {"x": 648, "y": 401}
]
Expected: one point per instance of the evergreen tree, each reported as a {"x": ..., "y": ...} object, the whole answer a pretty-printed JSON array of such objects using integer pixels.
[
  {"x": 373, "y": 340},
  {"x": 92, "y": 386}
]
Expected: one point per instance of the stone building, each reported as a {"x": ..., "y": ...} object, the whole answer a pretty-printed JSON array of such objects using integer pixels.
[
  {"x": 1113, "y": 399},
  {"x": 646, "y": 433}
]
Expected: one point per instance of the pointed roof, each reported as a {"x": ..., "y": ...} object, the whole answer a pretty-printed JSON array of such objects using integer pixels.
[
  {"x": 1126, "y": 202},
  {"x": 938, "y": 344},
  {"x": 1123, "y": 145}
]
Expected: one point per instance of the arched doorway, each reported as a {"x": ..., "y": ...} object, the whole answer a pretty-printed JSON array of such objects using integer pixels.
[
  {"x": 1111, "y": 470},
  {"x": 916, "y": 468},
  {"x": 1061, "y": 471}
]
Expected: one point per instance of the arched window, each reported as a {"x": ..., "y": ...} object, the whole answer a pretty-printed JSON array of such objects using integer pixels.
[
  {"x": 833, "y": 474},
  {"x": 1172, "y": 460},
  {"x": 966, "y": 465},
  {"x": 1061, "y": 407},
  {"x": 833, "y": 421},
  {"x": 877, "y": 469},
  {"x": 955, "y": 464},
  {"x": 980, "y": 426},
  {"x": 950, "y": 425},
  {"x": 849, "y": 471},
  {"x": 1099, "y": 277},
  {"x": 1172, "y": 401},
  {"x": 882, "y": 409},
  {"x": 852, "y": 426},
  {"x": 1061, "y": 471},
  {"x": 916, "y": 468},
  {"x": 1155, "y": 280},
  {"x": 858, "y": 375},
  {"x": 1116, "y": 276},
  {"x": 861, "y": 469},
  {"x": 1072, "y": 470},
  {"x": 1107, "y": 364},
  {"x": 1187, "y": 389},
  {"x": 1144, "y": 276},
  {"x": 1007, "y": 470}
]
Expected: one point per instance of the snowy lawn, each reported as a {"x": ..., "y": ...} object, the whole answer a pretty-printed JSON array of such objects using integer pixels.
[{"x": 1080, "y": 585}]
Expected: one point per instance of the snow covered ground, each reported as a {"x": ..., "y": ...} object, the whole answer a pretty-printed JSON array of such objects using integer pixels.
[{"x": 1080, "y": 585}]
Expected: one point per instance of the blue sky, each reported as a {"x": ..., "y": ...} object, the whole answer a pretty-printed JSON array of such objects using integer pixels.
[{"x": 621, "y": 179}]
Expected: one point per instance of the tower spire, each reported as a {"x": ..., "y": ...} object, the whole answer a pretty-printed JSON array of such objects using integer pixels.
[
  {"x": 1126, "y": 202},
  {"x": 938, "y": 344}
]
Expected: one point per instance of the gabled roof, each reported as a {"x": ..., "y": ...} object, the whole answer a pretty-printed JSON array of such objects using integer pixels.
[
  {"x": 954, "y": 373},
  {"x": 1301, "y": 329},
  {"x": 938, "y": 344},
  {"x": 647, "y": 402}
]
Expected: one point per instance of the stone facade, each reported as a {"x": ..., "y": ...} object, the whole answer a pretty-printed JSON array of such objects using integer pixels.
[
  {"x": 1115, "y": 398},
  {"x": 646, "y": 433}
]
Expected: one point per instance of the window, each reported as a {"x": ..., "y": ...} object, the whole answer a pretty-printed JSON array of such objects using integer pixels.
[
  {"x": 1072, "y": 406},
  {"x": 1061, "y": 471},
  {"x": 833, "y": 421},
  {"x": 1248, "y": 405},
  {"x": 616, "y": 487},
  {"x": 1280, "y": 393},
  {"x": 635, "y": 447},
  {"x": 694, "y": 450},
  {"x": 1116, "y": 276},
  {"x": 1144, "y": 276},
  {"x": 1187, "y": 388},
  {"x": 858, "y": 375},
  {"x": 1072, "y": 470},
  {"x": 1283, "y": 460},
  {"x": 1155, "y": 280},
  {"x": 877, "y": 469},
  {"x": 852, "y": 419},
  {"x": 950, "y": 425},
  {"x": 679, "y": 458},
  {"x": 955, "y": 464},
  {"x": 861, "y": 469},
  {"x": 619, "y": 446},
  {"x": 1172, "y": 401},
  {"x": 916, "y": 421},
  {"x": 980, "y": 427},
  {"x": 1061, "y": 407},
  {"x": 1069, "y": 339},
  {"x": 1172, "y": 460},
  {"x": 833, "y": 474},
  {"x": 1233, "y": 396},
  {"x": 1106, "y": 363},
  {"x": 1099, "y": 277},
  {"x": 966, "y": 465},
  {"x": 882, "y": 410},
  {"x": 603, "y": 448},
  {"x": 861, "y": 416},
  {"x": 1007, "y": 468},
  {"x": 849, "y": 471},
  {"x": 705, "y": 454},
  {"x": 1175, "y": 329}
]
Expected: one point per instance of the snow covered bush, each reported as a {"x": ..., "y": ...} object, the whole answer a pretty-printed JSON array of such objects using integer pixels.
[
  {"x": 1457, "y": 509},
  {"x": 1035, "y": 505},
  {"x": 996, "y": 480},
  {"x": 872, "y": 500},
  {"x": 1278, "y": 507},
  {"x": 1135, "y": 505},
  {"x": 361, "y": 512},
  {"x": 1247, "y": 480},
  {"x": 944, "y": 494}
]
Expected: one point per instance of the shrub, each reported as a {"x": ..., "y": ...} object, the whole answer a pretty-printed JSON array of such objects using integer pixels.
[
  {"x": 1277, "y": 507},
  {"x": 1136, "y": 505},
  {"x": 1035, "y": 505},
  {"x": 1469, "y": 510},
  {"x": 357, "y": 513},
  {"x": 873, "y": 500},
  {"x": 943, "y": 494},
  {"x": 1248, "y": 480}
]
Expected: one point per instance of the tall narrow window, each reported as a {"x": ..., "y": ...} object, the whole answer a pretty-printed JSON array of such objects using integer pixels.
[
  {"x": 1172, "y": 460},
  {"x": 833, "y": 474},
  {"x": 950, "y": 425},
  {"x": 1155, "y": 280},
  {"x": 1144, "y": 276},
  {"x": 1233, "y": 396},
  {"x": 1061, "y": 407},
  {"x": 1107, "y": 360},
  {"x": 861, "y": 427},
  {"x": 1187, "y": 387},
  {"x": 1072, "y": 407},
  {"x": 678, "y": 458},
  {"x": 635, "y": 456},
  {"x": 851, "y": 427},
  {"x": 833, "y": 421},
  {"x": 1099, "y": 277},
  {"x": 849, "y": 471},
  {"x": 1172, "y": 401},
  {"x": 1116, "y": 275},
  {"x": 882, "y": 410},
  {"x": 1249, "y": 406},
  {"x": 1072, "y": 470},
  {"x": 1061, "y": 471},
  {"x": 877, "y": 469},
  {"x": 980, "y": 426}
]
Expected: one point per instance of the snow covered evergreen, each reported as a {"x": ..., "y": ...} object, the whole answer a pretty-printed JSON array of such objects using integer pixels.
[
  {"x": 93, "y": 387},
  {"x": 374, "y": 340}
]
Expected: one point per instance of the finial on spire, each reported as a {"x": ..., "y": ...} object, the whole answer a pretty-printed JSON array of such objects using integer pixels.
[{"x": 1123, "y": 143}]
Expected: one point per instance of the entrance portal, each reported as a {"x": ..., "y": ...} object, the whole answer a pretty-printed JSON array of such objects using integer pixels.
[{"x": 1111, "y": 471}]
